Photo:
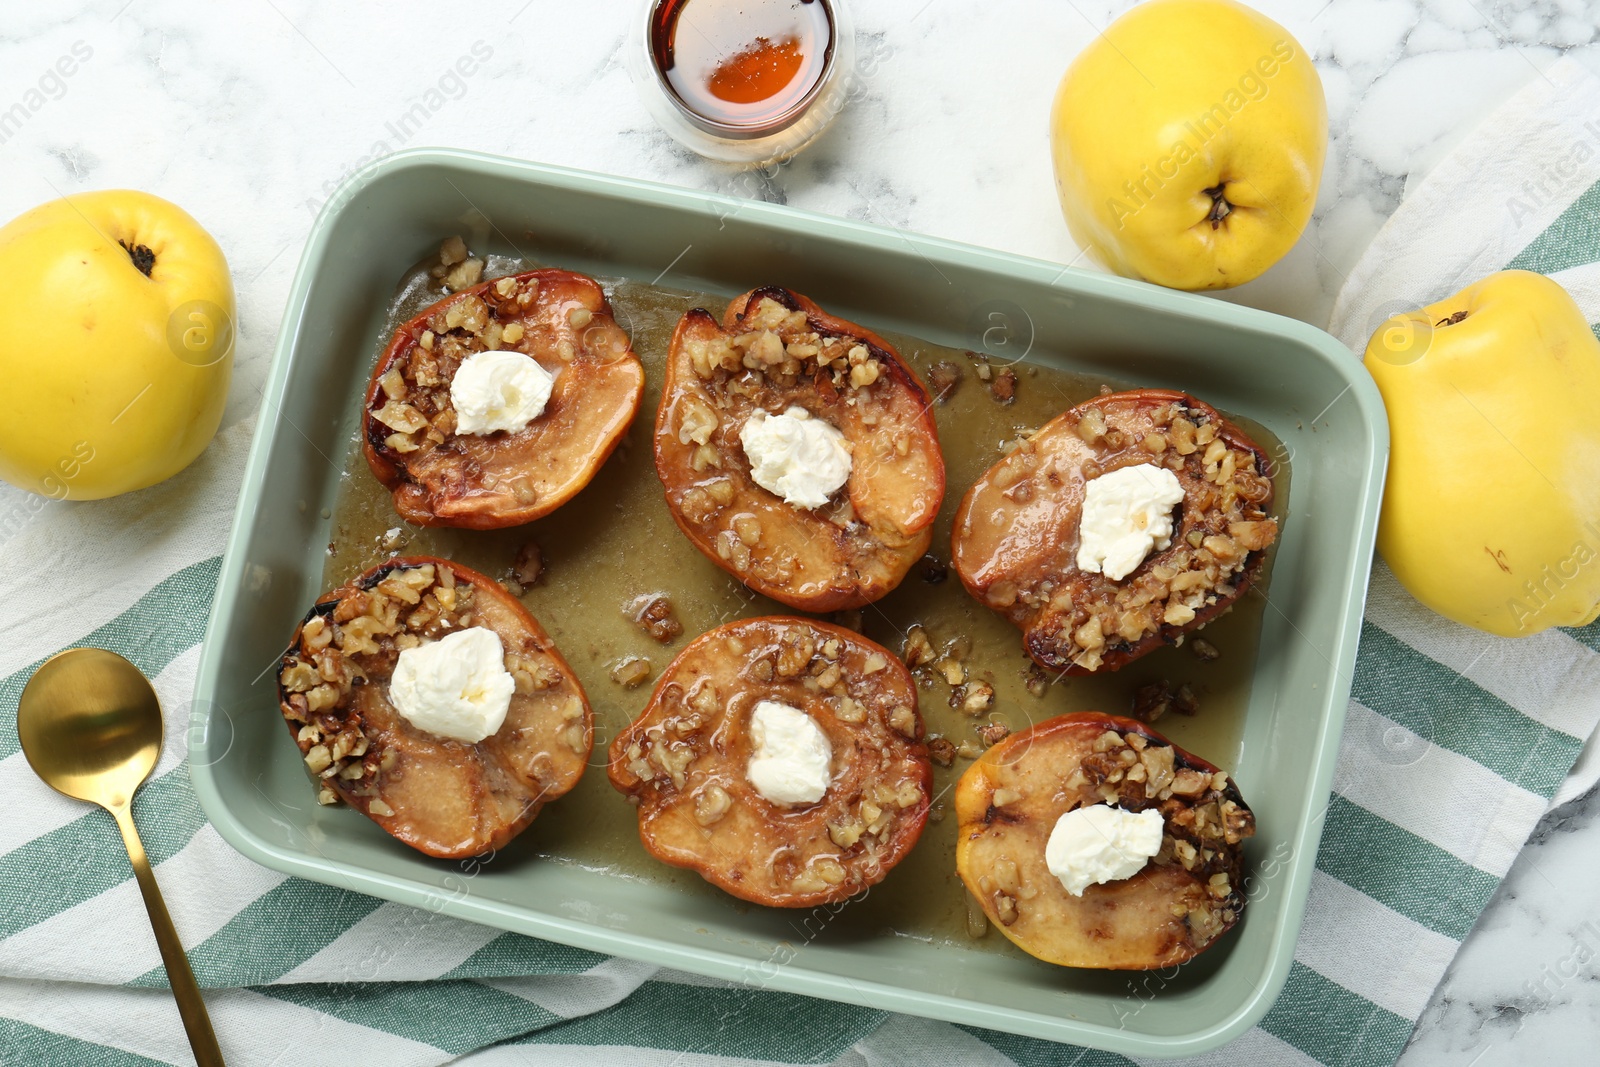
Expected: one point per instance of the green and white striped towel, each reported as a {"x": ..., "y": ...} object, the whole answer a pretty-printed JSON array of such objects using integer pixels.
[{"x": 1455, "y": 745}]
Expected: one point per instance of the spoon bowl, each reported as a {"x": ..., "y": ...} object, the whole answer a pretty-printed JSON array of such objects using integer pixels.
[{"x": 90, "y": 725}]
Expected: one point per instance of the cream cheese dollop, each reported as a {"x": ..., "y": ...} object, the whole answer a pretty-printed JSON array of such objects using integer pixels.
[
  {"x": 1126, "y": 513},
  {"x": 499, "y": 390},
  {"x": 793, "y": 455},
  {"x": 1101, "y": 843},
  {"x": 791, "y": 759},
  {"x": 456, "y": 687}
]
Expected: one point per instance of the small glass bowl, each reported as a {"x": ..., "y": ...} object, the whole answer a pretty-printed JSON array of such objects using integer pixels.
[{"x": 755, "y": 146}]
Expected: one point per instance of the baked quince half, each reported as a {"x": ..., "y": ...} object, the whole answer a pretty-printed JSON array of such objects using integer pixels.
[
  {"x": 1122, "y": 524},
  {"x": 1173, "y": 822},
  {"x": 497, "y": 404},
  {"x": 782, "y": 760},
  {"x": 427, "y": 698},
  {"x": 798, "y": 451}
]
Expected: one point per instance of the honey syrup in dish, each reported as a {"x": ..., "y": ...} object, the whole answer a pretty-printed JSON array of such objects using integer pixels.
[
  {"x": 616, "y": 541},
  {"x": 744, "y": 67}
]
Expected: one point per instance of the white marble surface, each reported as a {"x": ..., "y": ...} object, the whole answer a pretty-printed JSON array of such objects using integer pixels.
[{"x": 249, "y": 113}]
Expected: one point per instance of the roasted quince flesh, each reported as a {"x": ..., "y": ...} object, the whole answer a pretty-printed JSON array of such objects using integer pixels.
[
  {"x": 775, "y": 350},
  {"x": 1016, "y": 532},
  {"x": 1189, "y": 894},
  {"x": 684, "y": 763},
  {"x": 485, "y": 481},
  {"x": 442, "y": 797}
]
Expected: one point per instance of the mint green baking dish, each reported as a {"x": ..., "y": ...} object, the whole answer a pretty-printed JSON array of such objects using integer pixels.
[{"x": 1289, "y": 377}]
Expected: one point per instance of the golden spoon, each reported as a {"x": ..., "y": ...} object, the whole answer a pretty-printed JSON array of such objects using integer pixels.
[{"x": 90, "y": 725}]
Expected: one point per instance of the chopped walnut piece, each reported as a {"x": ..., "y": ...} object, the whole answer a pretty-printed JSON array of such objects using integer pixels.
[
  {"x": 917, "y": 650},
  {"x": 941, "y": 751},
  {"x": 975, "y": 698},
  {"x": 453, "y": 250},
  {"x": 795, "y": 649},
  {"x": 711, "y": 804},
  {"x": 654, "y": 614},
  {"x": 903, "y": 718},
  {"x": 1004, "y": 385},
  {"x": 631, "y": 672},
  {"x": 528, "y": 567},
  {"x": 1184, "y": 702},
  {"x": 464, "y": 274},
  {"x": 944, "y": 378},
  {"x": 1158, "y": 765},
  {"x": 1152, "y": 701},
  {"x": 992, "y": 733},
  {"x": 1203, "y": 649}
]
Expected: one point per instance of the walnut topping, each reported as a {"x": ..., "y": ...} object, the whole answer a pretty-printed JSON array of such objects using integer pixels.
[
  {"x": 526, "y": 569},
  {"x": 1082, "y": 621},
  {"x": 1004, "y": 385},
  {"x": 631, "y": 672},
  {"x": 1152, "y": 701},
  {"x": 992, "y": 733},
  {"x": 333, "y": 692},
  {"x": 711, "y": 804},
  {"x": 653, "y": 613},
  {"x": 694, "y": 740},
  {"x": 785, "y": 345},
  {"x": 1008, "y": 804},
  {"x": 917, "y": 650},
  {"x": 527, "y": 471},
  {"x": 904, "y": 719},
  {"x": 464, "y": 274},
  {"x": 773, "y": 353},
  {"x": 975, "y": 698},
  {"x": 944, "y": 378},
  {"x": 452, "y": 250}
]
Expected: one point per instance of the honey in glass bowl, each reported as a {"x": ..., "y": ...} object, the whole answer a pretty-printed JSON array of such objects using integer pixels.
[{"x": 744, "y": 80}]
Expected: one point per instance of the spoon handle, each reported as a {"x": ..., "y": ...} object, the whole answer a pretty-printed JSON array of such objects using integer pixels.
[{"x": 184, "y": 988}]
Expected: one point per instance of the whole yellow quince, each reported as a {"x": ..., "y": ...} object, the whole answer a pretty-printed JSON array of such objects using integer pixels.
[
  {"x": 1189, "y": 139},
  {"x": 1491, "y": 514},
  {"x": 122, "y": 313}
]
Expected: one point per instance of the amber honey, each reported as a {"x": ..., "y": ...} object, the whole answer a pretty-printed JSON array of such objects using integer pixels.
[{"x": 742, "y": 68}]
